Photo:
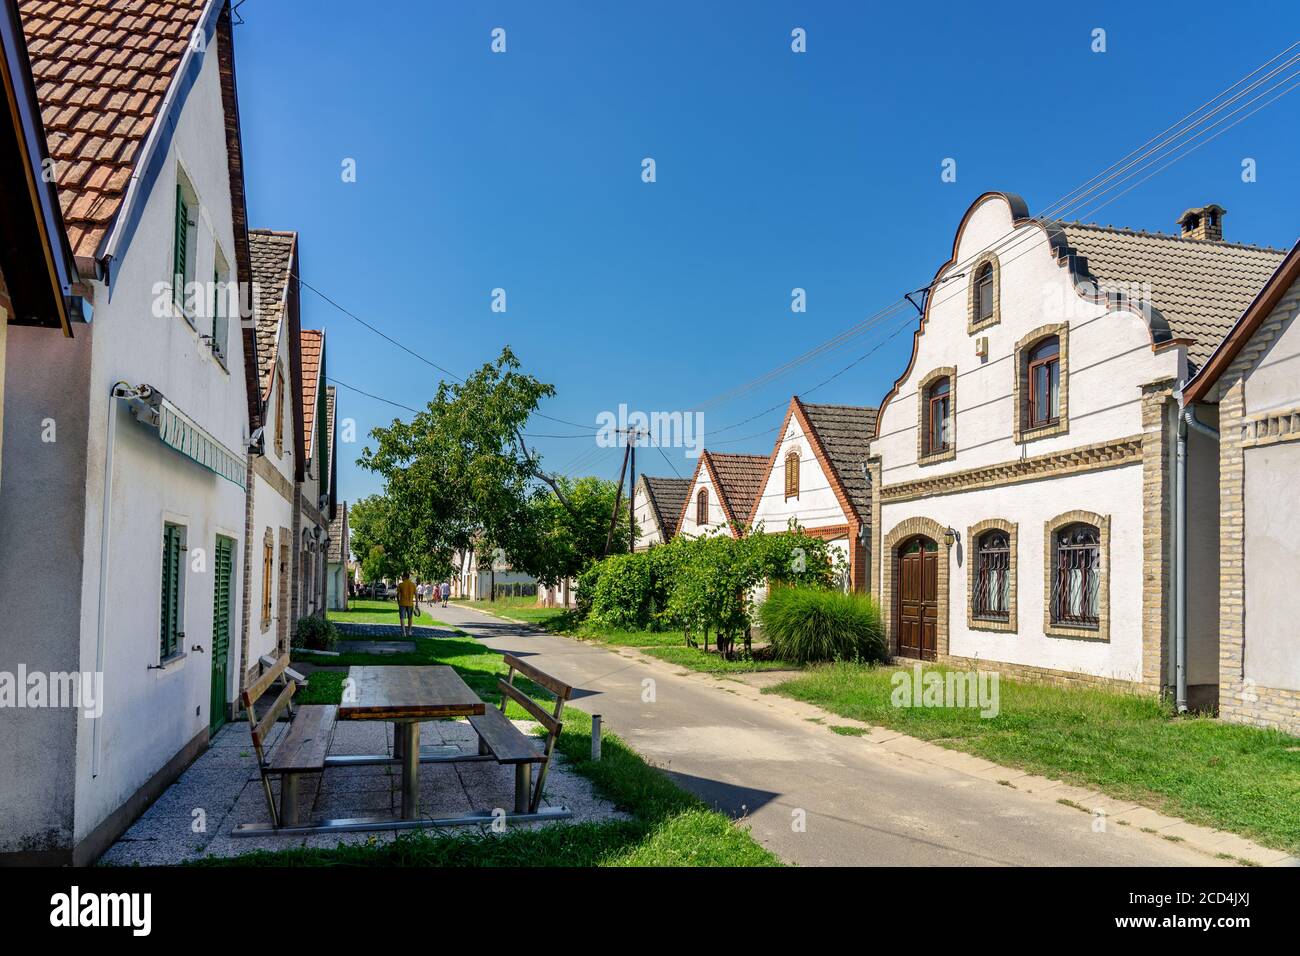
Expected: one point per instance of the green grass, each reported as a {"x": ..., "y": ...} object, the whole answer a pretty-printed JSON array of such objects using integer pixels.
[
  {"x": 522, "y": 609},
  {"x": 1211, "y": 773},
  {"x": 698, "y": 660},
  {"x": 365, "y": 611},
  {"x": 669, "y": 827}
]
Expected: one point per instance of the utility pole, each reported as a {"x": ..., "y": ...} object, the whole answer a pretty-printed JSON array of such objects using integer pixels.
[
  {"x": 629, "y": 455},
  {"x": 631, "y": 495}
]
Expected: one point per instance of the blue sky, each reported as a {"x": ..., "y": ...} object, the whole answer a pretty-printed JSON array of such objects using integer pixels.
[{"x": 775, "y": 170}]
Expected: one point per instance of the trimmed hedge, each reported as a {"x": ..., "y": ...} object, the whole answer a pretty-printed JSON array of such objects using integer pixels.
[
  {"x": 315, "y": 633},
  {"x": 815, "y": 624}
]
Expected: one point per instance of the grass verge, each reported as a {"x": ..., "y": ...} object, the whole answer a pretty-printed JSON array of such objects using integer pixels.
[{"x": 1211, "y": 773}]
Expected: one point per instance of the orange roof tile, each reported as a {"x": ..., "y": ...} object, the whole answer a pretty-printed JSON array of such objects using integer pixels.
[{"x": 101, "y": 68}]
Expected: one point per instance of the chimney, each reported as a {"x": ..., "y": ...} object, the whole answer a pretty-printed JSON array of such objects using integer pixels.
[{"x": 1204, "y": 222}]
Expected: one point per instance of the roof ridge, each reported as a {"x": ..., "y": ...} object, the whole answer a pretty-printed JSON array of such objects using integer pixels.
[{"x": 1156, "y": 234}]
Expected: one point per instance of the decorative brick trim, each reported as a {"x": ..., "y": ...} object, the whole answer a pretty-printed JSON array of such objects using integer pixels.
[
  {"x": 924, "y": 457},
  {"x": 973, "y": 324},
  {"x": 1111, "y": 454},
  {"x": 1040, "y": 675},
  {"x": 901, "y": 532},
  {"x": 825, "y": 532},
  {"x": 877, "y": 584},
  {"x": 1102, "y": 631},
  {"x": 1021, "y": 431},
  {"x": 1011, "y": 624},
  {"x": 1271, "y": 428},
  {"x": 1157, "y": 533}
]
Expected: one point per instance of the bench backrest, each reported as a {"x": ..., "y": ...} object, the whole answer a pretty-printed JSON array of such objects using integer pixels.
[
  {"x": 550, "y": 721},
  {"x": 261, "y": 728}
]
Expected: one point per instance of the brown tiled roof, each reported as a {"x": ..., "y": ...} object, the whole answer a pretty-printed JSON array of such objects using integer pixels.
[
  {"x": 338, "y": 531},
  {"x": 272, "y": 256},
  {"x": 313, "y": 343},
  {"x": 331, "y": 396},
  {"x": 667, "y": 499},
  {"x": 101, "y": 69},
  {"x": 739, "y": 479},
  {"x": 1198, "y": 286},
  {"x": 844, "y": 432}
]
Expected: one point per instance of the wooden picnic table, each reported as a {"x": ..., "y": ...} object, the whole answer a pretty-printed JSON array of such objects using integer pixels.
[{"x": 405, "y": 696}]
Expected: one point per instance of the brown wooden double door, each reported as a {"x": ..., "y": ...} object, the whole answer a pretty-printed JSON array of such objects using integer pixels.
[{"x": 918, "y": 598}]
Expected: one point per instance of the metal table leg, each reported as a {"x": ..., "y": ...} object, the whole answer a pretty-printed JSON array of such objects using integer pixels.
[{"x": 410, "y": 735}]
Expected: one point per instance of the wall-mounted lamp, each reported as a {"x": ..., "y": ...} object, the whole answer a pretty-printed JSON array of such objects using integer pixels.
[{"x": 949, "y": 536}]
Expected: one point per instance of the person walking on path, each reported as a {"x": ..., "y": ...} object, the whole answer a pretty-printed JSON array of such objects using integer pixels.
[
  {"x": 445, "y": 588},
  {"x": 406, "y": 603}
]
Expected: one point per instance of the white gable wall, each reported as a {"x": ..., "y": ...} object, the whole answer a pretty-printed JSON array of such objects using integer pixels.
[
  {"x": 1109, "y": 358},
  {"x": 717, "y": 516}
]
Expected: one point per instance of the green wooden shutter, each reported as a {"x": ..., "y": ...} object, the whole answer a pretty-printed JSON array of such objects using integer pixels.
[
  {"x": 180, "y": 251},
  {"x": 223, "y": 562},
  {"x": 171, "y": 590}
]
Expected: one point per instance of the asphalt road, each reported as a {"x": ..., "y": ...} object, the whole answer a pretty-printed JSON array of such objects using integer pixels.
[{"x": 814, "y": 797}]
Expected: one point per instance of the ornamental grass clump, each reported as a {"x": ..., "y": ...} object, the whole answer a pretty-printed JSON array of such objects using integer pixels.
[{"x": 807, "y": 625}]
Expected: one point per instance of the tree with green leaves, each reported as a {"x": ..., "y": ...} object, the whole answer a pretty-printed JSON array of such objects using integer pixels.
[{"x": 460, "y": 476}]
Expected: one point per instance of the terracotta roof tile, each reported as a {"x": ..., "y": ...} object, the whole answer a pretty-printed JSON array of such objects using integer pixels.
[
  {"x": 313, "y": 343},
  {"x": 1199, "y": 286},
  {"x": 271, "y": 255},
  {"x": 739, "y": 479},
  {"x": 68, "y": 43}
]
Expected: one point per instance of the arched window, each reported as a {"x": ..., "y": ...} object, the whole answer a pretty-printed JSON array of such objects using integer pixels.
[
  {"x": 1044, "y": 382},
  {"x": 984, "y": 293},
  {"x": 938, "y": 403},
  {"x": 792, "y": 475},
  {"x": 702, "y": 507},
  {"x": 991, "y": 585},
  {"x": 1076, "y": 576}
]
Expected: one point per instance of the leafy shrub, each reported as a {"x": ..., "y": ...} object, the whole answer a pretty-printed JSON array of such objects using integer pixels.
[
  {"x": 315, "y": 634},
  {"x": 815, "y": 624}
]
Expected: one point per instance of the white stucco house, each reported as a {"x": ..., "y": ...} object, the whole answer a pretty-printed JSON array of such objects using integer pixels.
[
  {"x": 817, "y": 477},
  {"x": 270, "y": 558},
  {"x": 478, "y": 576},
  {"x": 721, "y": 495},
  {"x": 1251, "y": 385},
  {"x": 123, "y": 525},
  {"x": 1022, "y": 465},
  {"x": 657, "y": 506}
]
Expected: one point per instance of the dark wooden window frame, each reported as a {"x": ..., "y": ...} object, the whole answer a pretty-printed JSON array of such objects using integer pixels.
[
  {"x": 1052, "y": 364},
  {"x": 984, "y": 294},
  {"x": 702, "y": 507},
  {"x": 938, "y": 411},
  {"x": 791, "y": 475}
]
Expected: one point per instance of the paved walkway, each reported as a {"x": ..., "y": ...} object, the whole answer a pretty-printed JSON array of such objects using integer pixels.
[
  {"x": 815, "y": 797},
  {"x": 194, "y": 816}
]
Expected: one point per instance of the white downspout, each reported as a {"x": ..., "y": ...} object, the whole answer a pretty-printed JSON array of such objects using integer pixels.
[
  {"x": 119, "y": 390},
  {"x": 1185, "y": 420}
]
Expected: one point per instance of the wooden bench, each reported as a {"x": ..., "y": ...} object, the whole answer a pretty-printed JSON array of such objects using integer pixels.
[
  {"x": 501, "y": 739},
  {"x": 301, "y": 749}
]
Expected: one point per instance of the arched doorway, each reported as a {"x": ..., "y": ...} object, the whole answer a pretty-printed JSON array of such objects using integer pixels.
[{"x": 918, "y": 598}]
